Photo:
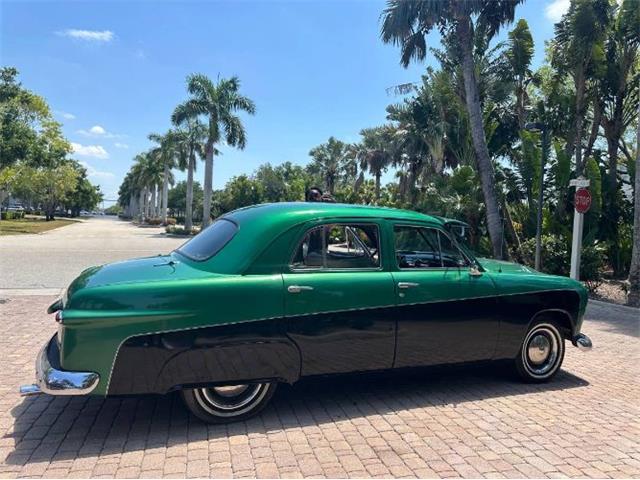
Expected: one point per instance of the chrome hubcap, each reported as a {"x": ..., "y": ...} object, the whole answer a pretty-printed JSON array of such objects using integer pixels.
[
  {"x": 231, "y": 390},
  {"x": 231, "y": 400},
  {"x": 539, "y": 349}
]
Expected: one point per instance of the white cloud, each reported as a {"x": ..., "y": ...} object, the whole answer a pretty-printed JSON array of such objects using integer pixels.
[
  {"x": 88, "y": 35},
  {"x": 66, "y": 115},
  {"x": 93, "y": 173},
  {"x": 96, "y": 151},
  {"x": 556, "y": 9},
  {"x": 121, "y": 145},
  {"x": 98, "y": 131}
]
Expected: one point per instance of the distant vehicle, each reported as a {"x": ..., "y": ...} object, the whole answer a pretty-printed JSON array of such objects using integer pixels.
[{"x": 276, "y": 292}]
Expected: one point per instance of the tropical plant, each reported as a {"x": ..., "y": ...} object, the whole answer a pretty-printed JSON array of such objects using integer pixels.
[
  {"x": 166, "y": 153},
  {"x": 578, "y": 50},
  {"x": 217, "y": 103},
  {"x": 331, "y": 162},
  {"x": 406, "y": 23}
]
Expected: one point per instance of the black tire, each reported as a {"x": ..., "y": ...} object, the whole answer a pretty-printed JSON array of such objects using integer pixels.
[
  {"x": 541, "y": 353},
  {"x": 229, "y": 403}
]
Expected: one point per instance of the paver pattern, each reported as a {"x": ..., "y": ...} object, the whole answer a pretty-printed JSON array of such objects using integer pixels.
[{"x": 462, "y": 422}]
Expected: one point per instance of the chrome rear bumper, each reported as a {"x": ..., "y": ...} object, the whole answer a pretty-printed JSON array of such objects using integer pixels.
[
  {"x": 52, "y": 380},
  {"x": 582, "y": 342}
]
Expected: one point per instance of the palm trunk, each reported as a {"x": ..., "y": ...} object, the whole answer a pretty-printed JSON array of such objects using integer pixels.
[
  {"x": 208, "y": 183},
  {"x": 141, "y": 205},
  {"x": 159, "y": 201},
  {"x": 153, "y": 201},
  {"x": 165, "y": 193},
  {"x": 613, "y": 129},
  {"x": 378, "y": 174},
  {"x": 188, "y": 216},
  {"x": 147, "y": 212},
  {"x": 580, "y": 94},
  {"x": 633, "y": 297},
  {"x": 485, "y": 168}
]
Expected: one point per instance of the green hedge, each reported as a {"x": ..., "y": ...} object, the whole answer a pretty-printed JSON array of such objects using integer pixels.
[{"x": 12, "y": 215}]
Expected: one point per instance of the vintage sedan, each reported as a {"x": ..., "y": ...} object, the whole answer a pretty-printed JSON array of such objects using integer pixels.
[{"x": 276, "y": 292}]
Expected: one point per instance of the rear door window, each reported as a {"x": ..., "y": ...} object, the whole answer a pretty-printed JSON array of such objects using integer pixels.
[{"x": 338, "y": 246}]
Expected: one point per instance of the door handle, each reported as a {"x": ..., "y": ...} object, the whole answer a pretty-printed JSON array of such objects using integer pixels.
[
  {"x": 405, "y": 285},
  {"x": 298, "y": 288}
]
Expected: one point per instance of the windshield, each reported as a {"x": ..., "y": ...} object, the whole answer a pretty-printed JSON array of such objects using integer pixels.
[{"x": 210, "y": 241}]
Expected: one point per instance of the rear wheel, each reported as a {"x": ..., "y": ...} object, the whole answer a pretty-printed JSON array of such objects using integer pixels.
[
  {"x": 228, "y": 403},
  {"x": 541, "y": 352}
]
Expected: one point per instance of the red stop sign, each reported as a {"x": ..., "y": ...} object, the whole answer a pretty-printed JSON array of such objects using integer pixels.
[{"x": 582, "y": 200}]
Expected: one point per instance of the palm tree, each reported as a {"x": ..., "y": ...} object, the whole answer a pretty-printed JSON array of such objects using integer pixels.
[
  {"x": 189, "y": 141},
  {"x": 330, "y": 160},
  {"x": 165, "y": 153},
  {"x": 633, "y": 297},
  {"x": 217, "y": 102},
  {"x": 577, "y": 50},
  {"x": 616, "y": 100},
  {"x": 519, "y": 55},
  {"x": 375, "y": 152},
  {"x": 406, "y": 23}
]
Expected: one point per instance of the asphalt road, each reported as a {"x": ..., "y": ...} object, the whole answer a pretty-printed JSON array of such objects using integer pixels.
[{"x": 51, "y": 260}]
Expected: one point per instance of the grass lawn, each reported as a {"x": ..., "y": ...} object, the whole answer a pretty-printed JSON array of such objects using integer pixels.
[{"x": 30, "y": 225}]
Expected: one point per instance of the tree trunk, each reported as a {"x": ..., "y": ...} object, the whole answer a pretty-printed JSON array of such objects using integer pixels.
[
  {"x": 485, "y": 168},
  {"x": 580, "y": 94},
  {"x": 165, "y": 192},
  {"x": 633, "y": 297},
  {"x": 141, "y": 205},
  {"x": 152, "y": 207},
  {"x": 208, "y": 183},
  {"x": 378, "y": 175},
  {"x": 188, "y": 216}
]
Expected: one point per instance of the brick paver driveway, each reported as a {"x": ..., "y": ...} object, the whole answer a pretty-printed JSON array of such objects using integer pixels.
[{"x": 447, "y": 423}]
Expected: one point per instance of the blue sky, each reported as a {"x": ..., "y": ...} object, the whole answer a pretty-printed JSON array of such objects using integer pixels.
[{"x": 113, "y": 71}]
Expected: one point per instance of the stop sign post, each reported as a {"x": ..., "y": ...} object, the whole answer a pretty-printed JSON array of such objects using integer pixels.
[{"x": 582, "y": 202}]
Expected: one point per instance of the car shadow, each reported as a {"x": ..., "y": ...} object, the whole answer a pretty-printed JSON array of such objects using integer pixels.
[{"x": 62, "y": 428}]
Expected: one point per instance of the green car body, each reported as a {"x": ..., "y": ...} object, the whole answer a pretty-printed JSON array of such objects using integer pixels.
[{"x": 157, "y": 324}]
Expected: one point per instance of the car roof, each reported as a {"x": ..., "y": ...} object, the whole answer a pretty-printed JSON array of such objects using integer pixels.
[
  {"x": 292, "y": 213},
  {"x": 259, "y": 225}
]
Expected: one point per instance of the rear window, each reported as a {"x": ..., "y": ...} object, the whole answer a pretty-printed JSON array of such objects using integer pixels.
[{"x": 210, "y": 241}]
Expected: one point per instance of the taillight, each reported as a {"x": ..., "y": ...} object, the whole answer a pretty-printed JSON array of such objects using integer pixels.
[{"x": 59, "y": 316}]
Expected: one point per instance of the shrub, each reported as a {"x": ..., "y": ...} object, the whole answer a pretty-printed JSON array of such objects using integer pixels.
[
  {"x": 554, "y": 254},
  {"x": 556, "y": 259},
  {"x": 174, "y": 230},
  {"x": 12, "y": 215},
  {"x": 592, "y": 265},
  {"x": 154, "y": 221},
  {"x": 171, "y": 221}
]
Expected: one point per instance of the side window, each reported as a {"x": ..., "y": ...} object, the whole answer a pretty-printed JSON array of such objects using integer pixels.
[
  {"x": 418, "y": 247},
  {"x": 338, "y": 246}
]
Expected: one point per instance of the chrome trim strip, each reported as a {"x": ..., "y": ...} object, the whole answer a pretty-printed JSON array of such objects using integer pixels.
[{"x": 52, "y": 381}]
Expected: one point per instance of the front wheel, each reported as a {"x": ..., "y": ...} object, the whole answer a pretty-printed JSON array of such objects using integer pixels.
[
  {"x": 229, "y": 403},
  {"x": 541, "y": 353}
]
